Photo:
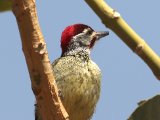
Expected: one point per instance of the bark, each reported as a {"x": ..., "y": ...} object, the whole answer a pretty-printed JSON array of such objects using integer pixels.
[{"x": 39, "y": 66}]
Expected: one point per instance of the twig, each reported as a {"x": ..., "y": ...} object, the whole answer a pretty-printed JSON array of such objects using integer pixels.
[{"x": 113, "y": 20}]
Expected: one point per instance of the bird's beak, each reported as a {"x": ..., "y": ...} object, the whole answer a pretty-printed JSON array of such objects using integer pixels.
[{"x": 101, "y": 34}]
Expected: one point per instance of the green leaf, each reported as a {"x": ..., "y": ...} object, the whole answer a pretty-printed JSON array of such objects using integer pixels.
[
  {"x": 5, "y": 5},
  {"x": 147, "y": 110}
]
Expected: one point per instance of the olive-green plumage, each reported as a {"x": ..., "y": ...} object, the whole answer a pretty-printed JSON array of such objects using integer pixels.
[{"x": 78, "y": 80}]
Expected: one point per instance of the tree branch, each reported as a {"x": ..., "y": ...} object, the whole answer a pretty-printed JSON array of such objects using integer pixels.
[
  {"x": 40, "y": 69},
  {"x": 115, "y": 22}
]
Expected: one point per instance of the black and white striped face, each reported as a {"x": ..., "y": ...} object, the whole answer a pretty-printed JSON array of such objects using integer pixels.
[
  {"x": 87, "y": 38},
  {"x": 79, "y": 37},
  {"x": 83, "y": 42},
  {"x": 83, "y": 39}
]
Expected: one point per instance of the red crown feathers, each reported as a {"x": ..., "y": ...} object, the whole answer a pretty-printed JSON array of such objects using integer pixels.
[{"x": 69, "y": 33}]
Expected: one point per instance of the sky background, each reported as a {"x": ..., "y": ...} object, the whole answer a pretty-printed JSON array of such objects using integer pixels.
[{"x": 126, "y": 78}]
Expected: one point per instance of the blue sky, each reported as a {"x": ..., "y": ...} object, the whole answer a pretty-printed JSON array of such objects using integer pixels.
[{"x": 126, "y": 78}]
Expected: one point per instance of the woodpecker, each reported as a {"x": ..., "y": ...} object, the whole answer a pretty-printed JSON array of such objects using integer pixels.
[{"x": 78, "y": 78}]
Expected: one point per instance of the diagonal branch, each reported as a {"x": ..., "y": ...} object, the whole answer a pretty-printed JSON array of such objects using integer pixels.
[
  {"x": 35, "y": 51},
  {"x": 115, "y": 22}
]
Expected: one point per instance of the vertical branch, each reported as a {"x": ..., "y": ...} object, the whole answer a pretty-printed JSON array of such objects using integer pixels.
[
  {"x": 112, "y": 19},
  {"x": 40, "y": 69}
]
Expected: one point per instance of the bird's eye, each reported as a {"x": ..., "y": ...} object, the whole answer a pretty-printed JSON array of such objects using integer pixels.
[{"x": 89, "y": 32}]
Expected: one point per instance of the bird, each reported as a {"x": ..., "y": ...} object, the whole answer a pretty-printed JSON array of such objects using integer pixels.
[{"x": 78, "y": 78}]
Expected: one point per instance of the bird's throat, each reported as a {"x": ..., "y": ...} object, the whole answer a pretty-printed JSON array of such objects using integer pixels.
[{"x": 81, "y": 52}]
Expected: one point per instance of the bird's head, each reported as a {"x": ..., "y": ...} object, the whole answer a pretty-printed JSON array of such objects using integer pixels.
[{"x": 79, "y": 36}]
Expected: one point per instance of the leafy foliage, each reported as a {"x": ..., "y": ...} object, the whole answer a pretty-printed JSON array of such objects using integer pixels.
[
  {"x": 5, "y": 5},
  {"x": 147, "y": 110}
]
